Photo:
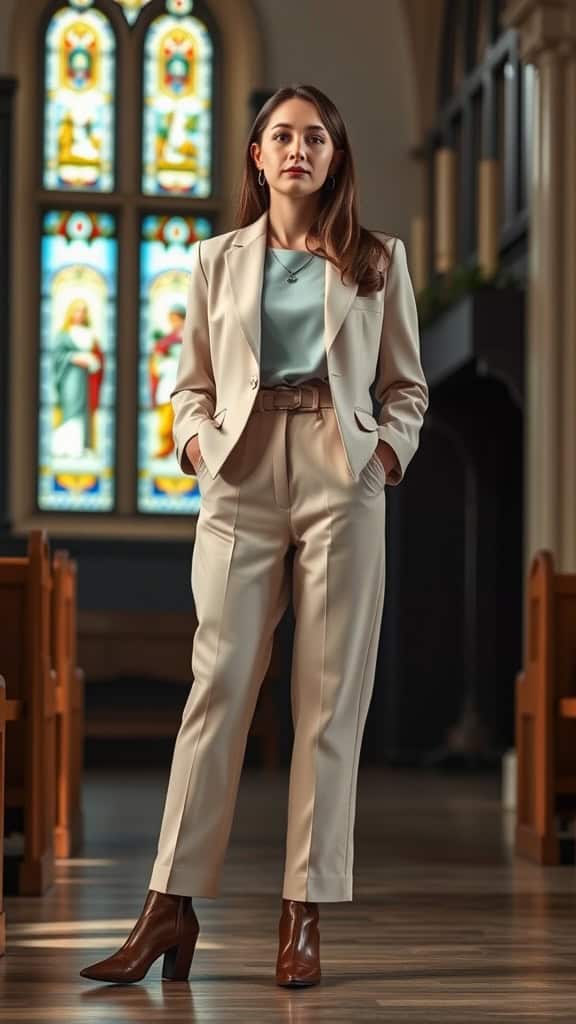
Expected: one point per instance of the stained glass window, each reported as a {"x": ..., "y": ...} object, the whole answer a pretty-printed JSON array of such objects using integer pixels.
[
  {"x": 132, "y": 8},
  {"x": 165, "y": 256},
  {"x": 77, "y": 362},
  {"x": 177, "y": 128},
  {"x": 79, "y": 114},
  {"x": 83, "y": 245}
]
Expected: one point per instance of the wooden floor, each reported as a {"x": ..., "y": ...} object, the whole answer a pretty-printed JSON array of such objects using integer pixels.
[{"x": 446, "y": 925}]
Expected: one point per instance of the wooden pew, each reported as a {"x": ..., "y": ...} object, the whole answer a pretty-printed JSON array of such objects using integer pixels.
[
  {"x": 546, "y": 713},
  {"x": 2, "y": 786},
  {"x": 25, "y": 597},
  {"x": 68, "y": 825}
]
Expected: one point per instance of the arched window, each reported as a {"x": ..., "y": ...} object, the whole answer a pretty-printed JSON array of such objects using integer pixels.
[
  {"x": 80, "y": 100},
  {"x": 128, "y": 130},
  {"x": 83, "y": 245}
]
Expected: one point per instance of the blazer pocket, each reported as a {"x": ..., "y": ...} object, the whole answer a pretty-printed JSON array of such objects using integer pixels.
[{"x": 365, "y": 419}]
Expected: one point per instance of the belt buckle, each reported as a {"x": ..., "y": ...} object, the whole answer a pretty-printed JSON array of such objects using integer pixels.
[
  {"x": 294, "y": 394},
  {"x": 315, "y": 391}
]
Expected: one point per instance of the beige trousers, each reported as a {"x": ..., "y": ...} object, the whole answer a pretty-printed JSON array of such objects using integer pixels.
[{"x": 285, "y": 483}]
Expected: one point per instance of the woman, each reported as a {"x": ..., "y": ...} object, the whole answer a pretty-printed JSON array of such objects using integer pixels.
[{"x": 291, "y": 318}]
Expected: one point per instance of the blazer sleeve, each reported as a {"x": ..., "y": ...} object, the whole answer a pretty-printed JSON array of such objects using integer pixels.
[
  {"x": 400, "y": 386},
  {"x": 194, "y": 395}
]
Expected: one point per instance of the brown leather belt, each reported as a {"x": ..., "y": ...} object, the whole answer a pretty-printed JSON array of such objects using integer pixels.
[{"x": 298, "y": 398}]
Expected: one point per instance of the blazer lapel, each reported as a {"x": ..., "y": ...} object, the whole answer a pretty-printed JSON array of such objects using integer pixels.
[
  {"x": 245, "y": 267},
  {"x": 338, "y": 298}
]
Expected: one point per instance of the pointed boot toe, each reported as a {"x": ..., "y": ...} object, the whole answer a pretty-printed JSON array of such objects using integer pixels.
[
  {"x": 298, "y": 963},
  {"x": 167, "y": 925},
  {"x": 109, "y": 970},
  {"x": 90, "y": 972}
]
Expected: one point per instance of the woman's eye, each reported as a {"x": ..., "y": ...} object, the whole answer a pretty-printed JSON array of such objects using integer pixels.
[{"x": 283, "y": 135}]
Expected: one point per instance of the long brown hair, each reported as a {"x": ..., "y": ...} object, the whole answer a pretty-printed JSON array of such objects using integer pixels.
[{"x": 335, "y": 233}]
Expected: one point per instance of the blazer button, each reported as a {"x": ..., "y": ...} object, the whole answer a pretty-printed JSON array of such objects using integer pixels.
[{"x": 253, "y": 382}]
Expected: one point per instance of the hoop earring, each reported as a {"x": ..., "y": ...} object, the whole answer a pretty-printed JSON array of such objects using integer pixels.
[
  {"x": 331, "y": 182},
  {"x": 261, "y": 181}
]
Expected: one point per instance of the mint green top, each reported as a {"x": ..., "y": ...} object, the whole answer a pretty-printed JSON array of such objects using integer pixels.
[{"x": 292, "y": 347}]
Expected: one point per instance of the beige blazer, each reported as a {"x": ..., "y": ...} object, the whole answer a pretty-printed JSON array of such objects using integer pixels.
[{"x": 368, "y": 339}]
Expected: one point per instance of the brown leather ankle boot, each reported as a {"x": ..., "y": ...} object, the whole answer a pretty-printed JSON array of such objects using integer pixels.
[
  {"x": 298, "y": 961},
  {"x": 167, "y": 924}
]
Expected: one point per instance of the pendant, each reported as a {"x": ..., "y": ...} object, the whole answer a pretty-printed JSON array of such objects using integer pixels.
[{"x": 291, "y": 279}]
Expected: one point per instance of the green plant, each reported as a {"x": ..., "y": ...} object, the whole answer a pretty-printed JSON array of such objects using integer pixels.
[{"x": 445, "y": 290}]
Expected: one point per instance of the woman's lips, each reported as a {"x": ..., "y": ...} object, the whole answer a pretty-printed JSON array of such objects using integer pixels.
[{"x": 292, "y": 170}]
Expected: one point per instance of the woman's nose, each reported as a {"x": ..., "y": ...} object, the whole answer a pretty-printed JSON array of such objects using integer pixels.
[{"x": 299, "y": 151}]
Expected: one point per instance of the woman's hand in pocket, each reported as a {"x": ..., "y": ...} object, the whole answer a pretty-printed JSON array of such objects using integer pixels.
[
  {"x": 387, "y": 456},
  {"x": 193, "y": 452}
]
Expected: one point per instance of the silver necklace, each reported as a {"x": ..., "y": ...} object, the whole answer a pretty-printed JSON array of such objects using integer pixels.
[{"x": 291, "y": 279}]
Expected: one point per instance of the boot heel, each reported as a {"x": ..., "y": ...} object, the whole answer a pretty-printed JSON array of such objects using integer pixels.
[{"x": 177, "y": 960}]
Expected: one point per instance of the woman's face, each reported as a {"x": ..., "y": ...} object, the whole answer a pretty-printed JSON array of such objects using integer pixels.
[{"x": 296, "y": 137}]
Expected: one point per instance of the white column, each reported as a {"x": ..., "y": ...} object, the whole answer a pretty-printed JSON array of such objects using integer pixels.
[{"x": 547, "y": 30}]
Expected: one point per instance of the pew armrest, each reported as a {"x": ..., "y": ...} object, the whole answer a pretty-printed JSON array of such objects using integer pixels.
[{"x": 14, "y": 710}]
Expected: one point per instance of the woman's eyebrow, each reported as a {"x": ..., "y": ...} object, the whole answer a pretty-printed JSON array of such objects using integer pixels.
[{"x": 284, "y": 124}]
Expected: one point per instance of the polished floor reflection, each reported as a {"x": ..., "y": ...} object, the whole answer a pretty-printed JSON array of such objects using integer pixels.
[{"x": 446, "y": 924}]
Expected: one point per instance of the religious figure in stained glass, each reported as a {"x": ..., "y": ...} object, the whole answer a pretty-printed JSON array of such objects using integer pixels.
[
  {"x": 77, "y": 374},
  {"x": 78, "y": 363},
  {"x": 79, "y": 112},
  {"x": 163, "y": 367},
  {"x": 164, "y": 274},
  {"x": 177, "y": 107}
]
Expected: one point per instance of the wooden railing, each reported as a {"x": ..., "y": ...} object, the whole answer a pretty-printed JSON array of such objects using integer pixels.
[
  {"x": 2, "y": 785},
  {"x": 546, "y": 714},
  {"x": 68, "y": 825},
  {"x": 25, "y": 660}
]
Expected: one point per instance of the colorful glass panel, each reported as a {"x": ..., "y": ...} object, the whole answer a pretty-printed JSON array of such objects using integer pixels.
[
  {"x": 179, "y": 6},
  {"x": 177, "y": 118},
  {"x": 165, "y": 256},
  {"x": 132, "y": 8},
  {"x": 80, "y": 93},
  {"x": 77, "y": 362}
]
